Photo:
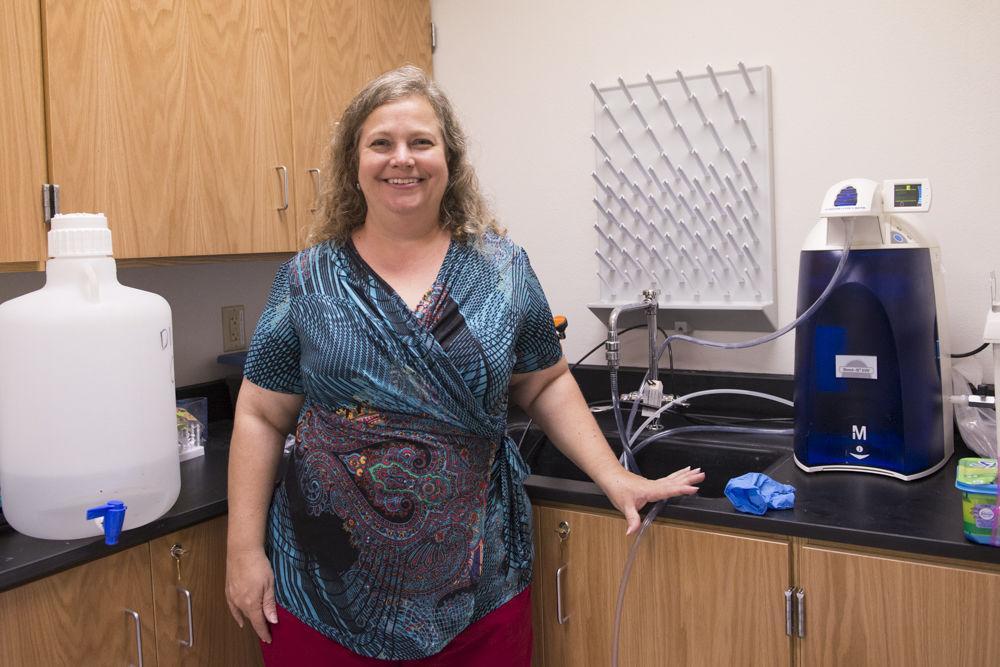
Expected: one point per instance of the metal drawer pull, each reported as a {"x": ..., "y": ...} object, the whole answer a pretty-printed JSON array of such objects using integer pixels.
[
  {"x": 559, "y": 603},
  {"x": 189, "y": 642},
  {"x": 138, "y": 633},
  {"x": 788, "y": 611},
  {"x": 315, "y": 174},
  {"x": 283, "y": 172},
  {"x": 800, "y": 596}
]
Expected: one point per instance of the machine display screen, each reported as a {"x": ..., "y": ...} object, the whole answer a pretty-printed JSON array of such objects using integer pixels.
[{"x": 907, "y": 194}]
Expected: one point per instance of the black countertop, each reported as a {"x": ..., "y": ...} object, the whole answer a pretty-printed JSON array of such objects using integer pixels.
[{"x": 920, "y": 517}]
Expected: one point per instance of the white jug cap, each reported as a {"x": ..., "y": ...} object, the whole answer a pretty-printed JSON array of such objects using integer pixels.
[{"x": 79, "y": 235}]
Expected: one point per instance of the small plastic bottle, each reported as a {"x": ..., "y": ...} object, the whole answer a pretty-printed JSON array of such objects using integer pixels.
[{"x": 87, "y": 403}]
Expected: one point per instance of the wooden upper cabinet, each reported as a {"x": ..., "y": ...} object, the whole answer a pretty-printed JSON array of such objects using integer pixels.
[
  {"x": 22, "y": 133},
  {"x": 336, "y": 46},
  {"x": 171, "y": 116}
]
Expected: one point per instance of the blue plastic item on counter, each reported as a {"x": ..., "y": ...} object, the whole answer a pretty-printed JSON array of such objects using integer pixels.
[
  {"x": 113, "y": 512},
  {"x": 755, "y": 492}
]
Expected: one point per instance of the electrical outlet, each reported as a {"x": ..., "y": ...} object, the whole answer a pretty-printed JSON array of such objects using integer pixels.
[{"x": 234, "y": 336}]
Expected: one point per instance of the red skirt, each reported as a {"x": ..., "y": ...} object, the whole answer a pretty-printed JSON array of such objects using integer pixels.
[{"x": 502, "y": 638}]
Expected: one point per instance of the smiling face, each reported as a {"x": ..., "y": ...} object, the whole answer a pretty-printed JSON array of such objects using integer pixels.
[{"x": 402, "y": 167}]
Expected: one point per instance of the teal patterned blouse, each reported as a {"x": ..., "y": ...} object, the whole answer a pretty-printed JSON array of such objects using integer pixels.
[{"x": 401, "y": 517}]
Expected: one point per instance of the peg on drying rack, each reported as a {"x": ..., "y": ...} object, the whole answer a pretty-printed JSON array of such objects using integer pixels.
[
  {"x": 606, "y": 237},
  {"x": 604, "y": 186},
  {"x": 684, "y": 84},
  {"x": 597, "y": 142},
  {"x": 638, "y": 163},
  {"x": 684, "y": 177},
  {"x": 656, "y": 255},
  {"x": 669, "y": 239},
  {"x": 673, "y": 220},
  {"x": 715, "y": 251},
  {"x": 715, "y": 201},
  {"x": 610, "y": 264},
  {"x": 597, "y": 93},
  {"x": 746, "y": 131},
  {"x": 670, "y": 191},
  {"x": 652, "y": 84},
  {"x": 638, "y": 216},
  {"x": 684, "y": 251},
  {"x": 701, "y": 216},
  {"x": 715, "y": 226},
  {"x": 701, "y": 190},
  {"x": 746, "y": 77},
  {"x": 715, "y": 135},
  {"x": 736, "y": 271},
  {"x": 697, "y": 107},
  {"x": 621, "y": 135},
  {"x": 715, "y": 174},
  {"x": 746, "y": 171},
  {"x": 684, "y": 277},
  {"x": 732, "y": 241},
  {"x": 732, "y": 214},
  {"x": 656, "y": 179},
  {"x": 715, "y": 81},
  {"x": 732, "y": 107},
  {"x": 684, "y": 228},
  {"x": 749, "y": 255},
  {"x": 732, "y": 187},
  {"x": 750, "y": 231},
  {"x": 656, "y": 142},
  {"x": 750, "y": 279},
  {"x": 715, "y": 277},
  {"x": 700, "y": 265},
  {"x": 685, "y": 204},
  {"x": 670, "y": 165},
  {"x": 749, "y": 200},
  {"x": 628, "y": 95},
  {"x": 684, "y": 136},
  {"x": 638, "y": 112},
  {"x": 612, "y": 117},
  {"x": 697, "y": 158},
  {"x": 729, "y": 156},
  {"x": 699, "y": 239},
  {"x": 605, "y": 212}
]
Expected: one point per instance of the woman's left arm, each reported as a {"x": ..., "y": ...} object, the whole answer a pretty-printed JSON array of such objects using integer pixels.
[{"x": 552, "y": 398}]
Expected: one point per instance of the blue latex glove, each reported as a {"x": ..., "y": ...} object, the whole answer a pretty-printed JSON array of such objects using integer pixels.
[{"x": 755, "y": 492}]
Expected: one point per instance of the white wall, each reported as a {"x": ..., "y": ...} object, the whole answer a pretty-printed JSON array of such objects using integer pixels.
[
  {"x": 196, "y": 294},
  {"x": 861, "y": 88}
]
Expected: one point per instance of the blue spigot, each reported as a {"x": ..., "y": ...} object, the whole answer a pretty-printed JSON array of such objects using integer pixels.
[{"x": 113, "y": 512}]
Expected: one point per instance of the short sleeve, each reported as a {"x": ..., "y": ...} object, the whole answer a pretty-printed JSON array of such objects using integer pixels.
[
  {"x": 273, "y": 358},
  {"x": 537, "y": 345}
]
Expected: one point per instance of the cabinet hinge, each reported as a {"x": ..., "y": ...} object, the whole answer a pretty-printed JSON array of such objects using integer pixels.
[
  {"x": 434, "y": 37},
  {"x": 50, "y": 201}
]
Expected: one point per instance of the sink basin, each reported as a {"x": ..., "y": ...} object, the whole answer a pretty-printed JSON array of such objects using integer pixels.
[{"x": 721, "y": 456}]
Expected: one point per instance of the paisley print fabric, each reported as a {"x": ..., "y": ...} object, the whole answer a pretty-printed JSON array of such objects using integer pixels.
[{"x": 401, "y": 517}]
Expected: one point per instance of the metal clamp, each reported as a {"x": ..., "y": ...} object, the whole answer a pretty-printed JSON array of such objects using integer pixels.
[
  {"x": 189, "y": 642},
  {"x": 138, "y": 632},
  {"x": 560, "y": 617},
  {"x": 283, "y": 172},
  {"x": 315, "y": 174}
]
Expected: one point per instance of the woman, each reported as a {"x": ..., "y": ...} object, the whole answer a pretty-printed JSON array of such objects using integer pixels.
[{"x": 401, "y": 528}]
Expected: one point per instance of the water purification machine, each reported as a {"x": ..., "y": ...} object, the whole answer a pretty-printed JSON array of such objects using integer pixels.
[{"x": 872, "y": 372}]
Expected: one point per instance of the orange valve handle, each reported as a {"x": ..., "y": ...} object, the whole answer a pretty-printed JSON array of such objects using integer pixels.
[{"x": 561, "y": 323}]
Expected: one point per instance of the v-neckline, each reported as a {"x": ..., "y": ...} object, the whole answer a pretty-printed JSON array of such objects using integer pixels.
[{"x": 424, "y": 299}]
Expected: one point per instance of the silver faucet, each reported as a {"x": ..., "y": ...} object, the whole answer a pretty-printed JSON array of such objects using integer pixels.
[{"x": 651, "y": 393}]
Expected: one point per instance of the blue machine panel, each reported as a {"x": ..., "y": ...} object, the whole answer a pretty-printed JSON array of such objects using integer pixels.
[{"x": 883, "y": 311}]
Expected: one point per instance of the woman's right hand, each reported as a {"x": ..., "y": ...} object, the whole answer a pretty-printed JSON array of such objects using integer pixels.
[{"x": 250, "y": 590}]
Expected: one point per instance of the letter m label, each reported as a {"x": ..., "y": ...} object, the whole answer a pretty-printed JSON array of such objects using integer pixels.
[{"x": 859, "y": 432}]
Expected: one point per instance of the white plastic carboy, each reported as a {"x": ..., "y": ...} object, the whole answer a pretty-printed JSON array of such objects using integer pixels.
[{"x": 88, "y": 439}]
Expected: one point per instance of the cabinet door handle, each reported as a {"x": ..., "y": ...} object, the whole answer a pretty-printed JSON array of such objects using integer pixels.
[
  {"x": 189, "y": 642},
  {"x": 283, "y": 172},
  {"x": 138, "y": 633},
  {"x": 559, "y": 602},
  {"x": 800, "y": 596},
  {"x": 788, "y": 611},
  {"x": 315, "y": 174}
]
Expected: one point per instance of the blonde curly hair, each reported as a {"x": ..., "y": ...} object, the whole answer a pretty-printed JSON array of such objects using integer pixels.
[{"x": 464, "y": 211}]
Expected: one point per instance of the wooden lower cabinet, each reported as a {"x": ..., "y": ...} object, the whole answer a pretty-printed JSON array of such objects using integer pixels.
[
  {"x": 695, "y": 597},
  {"x": 80, "y": 617},
  {"x": 875, "y": 610},
  {"x": 217, "y": 640}
]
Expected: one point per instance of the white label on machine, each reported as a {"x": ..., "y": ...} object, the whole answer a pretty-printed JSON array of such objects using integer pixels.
[{"x": 857, "y": 367}]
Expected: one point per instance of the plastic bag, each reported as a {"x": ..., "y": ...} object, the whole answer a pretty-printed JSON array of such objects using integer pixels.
[{"x": 978, "y": 426}]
